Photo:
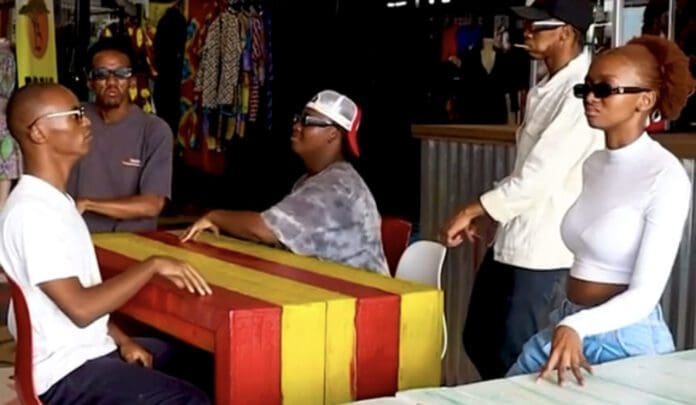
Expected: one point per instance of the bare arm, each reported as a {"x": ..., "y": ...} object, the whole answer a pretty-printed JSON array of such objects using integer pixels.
[
  {"x": 117, "y": 334},
  {"x": 242, "y": 224},
  {"x": 129, "y": 349},
  {"x": 138, "y": 206},
  {"x": 84, "y": 305}
]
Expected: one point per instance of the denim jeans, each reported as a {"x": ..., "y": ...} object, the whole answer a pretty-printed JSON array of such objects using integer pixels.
[
  {"x": 647, "y": 336},
  {"x": 508, "y": 305}
]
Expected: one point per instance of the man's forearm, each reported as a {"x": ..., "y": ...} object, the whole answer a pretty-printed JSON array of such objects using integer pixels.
[
  {"x": 243, "y": 224},
  {"x": 139, "y": 206},
  {"x": 83, "y": 305},
  {"x": 117, "y": 334}
]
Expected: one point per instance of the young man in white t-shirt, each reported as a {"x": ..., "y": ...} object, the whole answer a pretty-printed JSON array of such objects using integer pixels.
[
  {"x": 526, "y": 269},
  {"x": 79, "y": 355}
]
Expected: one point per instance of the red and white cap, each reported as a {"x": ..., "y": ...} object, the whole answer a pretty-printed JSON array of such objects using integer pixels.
[{"x": 341, "y": 110}]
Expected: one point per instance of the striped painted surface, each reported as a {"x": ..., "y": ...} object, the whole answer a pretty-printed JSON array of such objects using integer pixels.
[{"x": 342, "y": 333}]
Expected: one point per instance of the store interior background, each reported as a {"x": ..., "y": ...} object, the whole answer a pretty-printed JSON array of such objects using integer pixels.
[
  {"x": 386, "y": 58},
  {"x": 384, "y": 54}
]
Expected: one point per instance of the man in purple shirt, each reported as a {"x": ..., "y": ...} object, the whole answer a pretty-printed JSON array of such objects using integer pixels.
[{"x": 123, "y": 182}]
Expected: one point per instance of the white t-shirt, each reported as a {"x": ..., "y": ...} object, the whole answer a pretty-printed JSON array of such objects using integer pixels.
[
  {"x": 44, "y": 238},
  {"x": 625, "y": 228}
]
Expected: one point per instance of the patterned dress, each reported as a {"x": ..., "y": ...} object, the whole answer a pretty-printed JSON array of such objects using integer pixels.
[{"x": 10, "y": 157}]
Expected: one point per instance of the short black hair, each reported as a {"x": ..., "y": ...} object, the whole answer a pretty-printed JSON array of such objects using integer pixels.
[{"x": 119, "y": 44}]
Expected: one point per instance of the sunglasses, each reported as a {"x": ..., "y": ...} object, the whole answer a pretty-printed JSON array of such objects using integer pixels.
[
  {"x": 78, "y": 112},
  {"x": 311, "y": 121},
  {"x": 539, "y": 26},
  {"x": 104, "y": 73},
  {"x": 604, "y": 90}
]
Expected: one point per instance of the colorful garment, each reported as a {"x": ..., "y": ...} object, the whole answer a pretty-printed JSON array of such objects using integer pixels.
[
  {"x": 218, "y": 74},
  {"x": 10, "y": 156}
]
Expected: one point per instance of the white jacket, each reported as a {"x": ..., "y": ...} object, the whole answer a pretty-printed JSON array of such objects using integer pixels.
[{"x": 552, "y": 143}]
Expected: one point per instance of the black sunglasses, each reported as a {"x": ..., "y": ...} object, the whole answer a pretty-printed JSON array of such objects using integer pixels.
[
  {"x": 104, "y": 73},
  {"x": 604, "y": 90},
  {"x": 311, "y": 121}
]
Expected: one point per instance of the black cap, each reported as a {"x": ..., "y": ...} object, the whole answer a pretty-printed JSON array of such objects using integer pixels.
[{"x": 577, "y": 13}]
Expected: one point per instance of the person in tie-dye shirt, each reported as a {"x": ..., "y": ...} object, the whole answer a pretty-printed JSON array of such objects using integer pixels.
[{"x": 330, "y": 213}]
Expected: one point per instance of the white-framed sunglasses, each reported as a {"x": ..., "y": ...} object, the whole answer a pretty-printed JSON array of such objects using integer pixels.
[
  {"x": 78, "y": 112},
  {"x": 543, "y": 25}
]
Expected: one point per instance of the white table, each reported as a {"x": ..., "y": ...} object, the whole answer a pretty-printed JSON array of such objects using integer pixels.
[{"x": 667, "y": 379}]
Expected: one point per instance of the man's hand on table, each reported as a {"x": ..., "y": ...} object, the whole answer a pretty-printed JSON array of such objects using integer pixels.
[
  {"x": 132, "y": 352},
  {"x": 204, "y": 223},
  {"x": 182, "y": 274},
  {"x": 566, "y": 353}
]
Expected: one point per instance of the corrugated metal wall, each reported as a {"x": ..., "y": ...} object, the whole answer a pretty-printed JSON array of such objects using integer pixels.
[{"x": 454, "y": 173}]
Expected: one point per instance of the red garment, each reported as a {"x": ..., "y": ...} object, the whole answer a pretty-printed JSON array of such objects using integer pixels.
[
  {"x": 449, "y": 42},
  {"x": 197, "y": 152}
]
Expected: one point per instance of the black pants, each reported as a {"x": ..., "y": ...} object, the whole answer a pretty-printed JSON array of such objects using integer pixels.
[
  {"x": 108, "y": 380},
  {"x": 508, "y": 306}
]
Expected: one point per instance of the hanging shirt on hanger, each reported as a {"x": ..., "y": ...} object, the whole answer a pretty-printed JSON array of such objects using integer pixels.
[{"x": 218, "y": 74}]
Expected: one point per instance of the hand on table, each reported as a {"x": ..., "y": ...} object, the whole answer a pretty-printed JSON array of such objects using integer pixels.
[
  {"x": 566, "y": 353},
  {"x": 182, "y": 274},
  {"x": 202, "y": 224}
]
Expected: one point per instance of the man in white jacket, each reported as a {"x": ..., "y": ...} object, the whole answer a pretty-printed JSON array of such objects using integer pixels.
[{"x": 518, "y": 279}]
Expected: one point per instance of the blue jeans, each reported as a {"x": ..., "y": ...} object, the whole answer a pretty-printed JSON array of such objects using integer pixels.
[
  {"x": 508, "y": 305},
  {"x": 108, "y": 380},
  {"x": 647, "y": 336}
]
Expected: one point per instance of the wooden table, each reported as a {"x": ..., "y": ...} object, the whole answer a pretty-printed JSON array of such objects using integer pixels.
[
  {"x": 666, "y": 379},
  {"x": 285, "y": 328}
]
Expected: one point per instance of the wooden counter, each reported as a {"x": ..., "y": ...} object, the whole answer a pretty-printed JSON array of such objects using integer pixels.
[{"x": 683, "y": 145}]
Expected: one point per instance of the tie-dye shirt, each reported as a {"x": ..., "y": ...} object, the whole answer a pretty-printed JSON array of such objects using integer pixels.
[{"x": 333, "y": 216}]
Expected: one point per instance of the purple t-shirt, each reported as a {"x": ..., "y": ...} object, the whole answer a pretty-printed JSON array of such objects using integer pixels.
[{"x": 126, "y": 158}]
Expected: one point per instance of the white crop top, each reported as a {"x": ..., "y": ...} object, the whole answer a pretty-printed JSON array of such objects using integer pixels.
[{"x": 625, "y": 228}]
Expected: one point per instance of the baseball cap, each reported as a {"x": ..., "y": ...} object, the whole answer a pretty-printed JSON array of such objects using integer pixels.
[
  {"x": 341, "y": 110},
  {"x": 577, "y": 13}
]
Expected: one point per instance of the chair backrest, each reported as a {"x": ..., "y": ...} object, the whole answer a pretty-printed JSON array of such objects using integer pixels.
[
  {"x": 422, "y": 262},
  {"x": 395, "y": 236},
  {"x": 24, "y": 366}
]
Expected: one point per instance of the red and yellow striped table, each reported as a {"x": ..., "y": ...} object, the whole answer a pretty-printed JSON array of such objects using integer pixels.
[{"x": 286, "y": 328}]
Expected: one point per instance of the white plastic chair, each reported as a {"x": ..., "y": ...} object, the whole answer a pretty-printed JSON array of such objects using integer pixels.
[{"x": 422, "y": 262}]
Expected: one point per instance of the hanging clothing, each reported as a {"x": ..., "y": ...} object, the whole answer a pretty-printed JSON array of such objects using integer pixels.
[
  {"x": 218, "y": 74},
  {"x": 257, "y": 61},
  {"x": 449, "y": 42},
  {"x": 480, "y": 97},
  {"x": 170, "y": 42},
  {"x": 10, "y": 155},
  {"x": 268, "y": 71}
]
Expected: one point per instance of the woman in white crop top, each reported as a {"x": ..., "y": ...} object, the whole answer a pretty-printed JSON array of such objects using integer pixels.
[{"x": 625, "y": 227}]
